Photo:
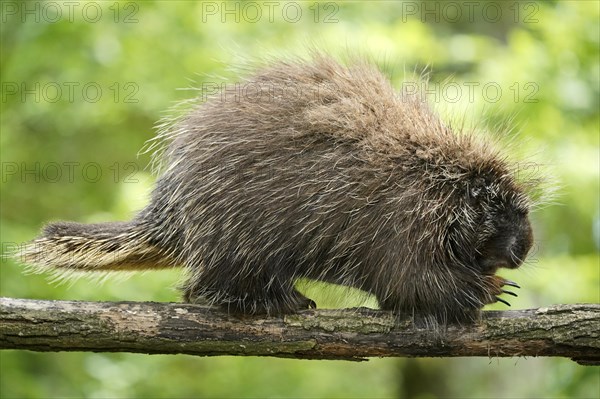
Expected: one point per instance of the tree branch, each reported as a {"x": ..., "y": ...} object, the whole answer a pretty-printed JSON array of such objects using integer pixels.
[{"x": 353, "y": 334}]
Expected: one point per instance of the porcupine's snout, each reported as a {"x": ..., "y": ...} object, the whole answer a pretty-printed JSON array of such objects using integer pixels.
[{"x": 509, "y": 246}]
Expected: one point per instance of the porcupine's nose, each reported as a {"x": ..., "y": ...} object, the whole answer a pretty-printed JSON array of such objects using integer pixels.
[{"x": 520, "y": 244}]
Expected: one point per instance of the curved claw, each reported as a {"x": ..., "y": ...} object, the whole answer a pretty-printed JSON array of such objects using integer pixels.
[
  {"x": 503, "y": 301},
  {"x": 511, "y": 283},
  {"x": 509, "y": 293}
]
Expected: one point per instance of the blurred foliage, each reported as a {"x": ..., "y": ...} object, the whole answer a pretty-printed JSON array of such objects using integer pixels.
[{"x": 543, "y": 56}]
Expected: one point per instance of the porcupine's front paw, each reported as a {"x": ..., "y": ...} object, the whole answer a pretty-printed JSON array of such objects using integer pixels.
[{"x": 494, "y": 287}]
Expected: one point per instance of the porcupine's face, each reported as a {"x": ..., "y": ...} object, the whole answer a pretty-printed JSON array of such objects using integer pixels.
[{"x": 502, "y": 235}]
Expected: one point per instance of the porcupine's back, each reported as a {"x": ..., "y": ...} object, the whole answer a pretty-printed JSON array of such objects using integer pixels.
[{"x": 313, "y": 169}]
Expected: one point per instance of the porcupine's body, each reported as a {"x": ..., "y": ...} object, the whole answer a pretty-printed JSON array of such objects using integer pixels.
[{"x": 311, "y": 169}]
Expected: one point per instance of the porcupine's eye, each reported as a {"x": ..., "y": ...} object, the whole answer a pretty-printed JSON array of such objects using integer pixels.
[
  {"x": 476, "y": 189},
  {"x": 475, "y": 192}
]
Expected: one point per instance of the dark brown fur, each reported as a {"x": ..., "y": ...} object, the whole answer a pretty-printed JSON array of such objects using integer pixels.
[{"x": 312, "y": 169}]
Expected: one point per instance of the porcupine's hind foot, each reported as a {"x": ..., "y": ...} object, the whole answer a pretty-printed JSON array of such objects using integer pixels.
[
  {"x": 269, "y": 302},
  {"x": 303, "y": 302}
]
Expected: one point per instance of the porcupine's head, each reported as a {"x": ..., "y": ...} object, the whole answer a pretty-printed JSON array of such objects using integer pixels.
[
  {"x": 491, "y": 227},
  {"x": 503, "y": 233}
]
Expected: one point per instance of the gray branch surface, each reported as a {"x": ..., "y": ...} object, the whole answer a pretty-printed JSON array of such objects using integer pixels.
[{"x": 571, "y": 331}]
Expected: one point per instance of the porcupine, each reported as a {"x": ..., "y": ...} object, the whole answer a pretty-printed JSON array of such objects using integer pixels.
[{"x": 320, "y": 171}]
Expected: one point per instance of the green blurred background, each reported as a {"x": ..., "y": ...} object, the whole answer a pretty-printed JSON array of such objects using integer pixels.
[{"x": 83, "y": 84}]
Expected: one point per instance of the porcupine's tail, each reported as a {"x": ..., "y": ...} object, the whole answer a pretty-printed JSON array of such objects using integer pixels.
[{"x": 66, "y": 249}]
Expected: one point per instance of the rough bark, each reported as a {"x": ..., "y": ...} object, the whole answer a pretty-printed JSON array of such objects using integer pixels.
[{"x": 353, "y": 334}]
